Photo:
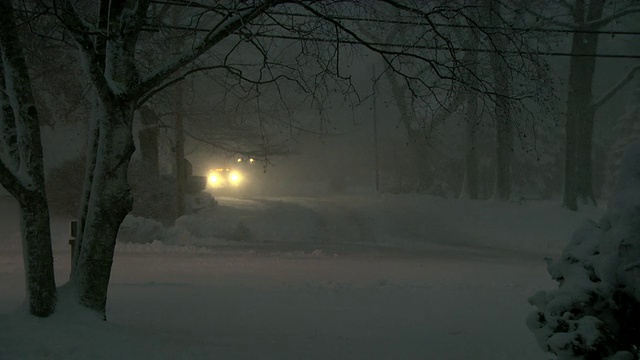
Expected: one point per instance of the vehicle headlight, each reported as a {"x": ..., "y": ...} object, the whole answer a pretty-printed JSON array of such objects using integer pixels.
[
  {"x": 213, "y": 179},
  {"x": 235, "y": 178}
]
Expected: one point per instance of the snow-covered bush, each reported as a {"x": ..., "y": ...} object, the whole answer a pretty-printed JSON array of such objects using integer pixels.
[{"x": 594, "y": 313}]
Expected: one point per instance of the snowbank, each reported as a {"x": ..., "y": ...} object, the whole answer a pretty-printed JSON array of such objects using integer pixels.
[{"x": 540, "y": 228}]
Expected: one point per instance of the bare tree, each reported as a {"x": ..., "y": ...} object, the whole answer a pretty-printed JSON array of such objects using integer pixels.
[
  {"x": 503, "y": 120},
  {"x": 584, "y": 18},
  {"x": 465, "y": 58}
]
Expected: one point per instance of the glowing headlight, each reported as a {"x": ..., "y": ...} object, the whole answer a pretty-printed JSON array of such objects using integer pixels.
[
  {"x": 213, "y": 179},
  {"x": 235, "y": 178}
]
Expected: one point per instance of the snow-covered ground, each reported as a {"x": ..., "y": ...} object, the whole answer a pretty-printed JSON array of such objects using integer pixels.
[{"x": 354, "y": 277}]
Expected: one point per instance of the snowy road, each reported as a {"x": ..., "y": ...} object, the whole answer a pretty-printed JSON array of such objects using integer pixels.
[{"x": 341, "y": 278}]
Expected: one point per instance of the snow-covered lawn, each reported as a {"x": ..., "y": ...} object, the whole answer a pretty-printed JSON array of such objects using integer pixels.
[{"x": 418, "y": 278}]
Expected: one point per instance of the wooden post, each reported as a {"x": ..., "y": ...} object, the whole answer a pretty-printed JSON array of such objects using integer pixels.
[{"x": 73, "y": 234}]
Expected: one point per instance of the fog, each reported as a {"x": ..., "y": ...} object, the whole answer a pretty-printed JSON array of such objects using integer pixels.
[{"x": 319, "y": 180}]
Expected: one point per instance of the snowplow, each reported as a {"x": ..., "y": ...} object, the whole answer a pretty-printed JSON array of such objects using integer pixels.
[
  {"x": 220, "y": 178},
  {"x": 230, "y": 177}
]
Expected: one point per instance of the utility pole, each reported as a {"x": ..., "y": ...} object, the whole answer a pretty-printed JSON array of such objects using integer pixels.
[{"x": 375, "y": 128}]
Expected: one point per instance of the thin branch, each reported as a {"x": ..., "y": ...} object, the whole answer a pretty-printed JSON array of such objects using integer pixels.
[
  {"x": 168, "y": 83},
  {"x": 82, "y": 34},
  {"x": 606, "y": 20},
  {"x": 566, "y": 5},
  {"x": 227, "y": 26},
  {"x": 231, "y": 149},
  {"x": 606, "y": 97},
  {"x": 538, "y": 15}
]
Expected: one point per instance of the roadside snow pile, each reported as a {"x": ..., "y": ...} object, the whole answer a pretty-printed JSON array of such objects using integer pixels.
[
  {"x": 417, "y": 222},
  {"x": 140, "y": 230},
  {"x": 595, "y": 312},
  {"x": 255, "y": 220},
  {"x": 191, "y": 234},
  {"x": 142, "y": 235},
  {"x": 158, "y": 247}
]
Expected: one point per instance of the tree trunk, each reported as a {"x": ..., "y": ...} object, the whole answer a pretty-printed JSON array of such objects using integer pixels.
[
  {"x": 180, "y": 166},
  {"x": 470, "y": 182},
  {"x": 110, "y": 201},
  {"x": 504, "y": 136},
  {"x": 181, "y": 170},
  {"x": 584, "y": 148},
  {"x": 37, "y": 253},
  {"x": 421, "y": 153},
  {"x": 504, "y": 146},
  {"x": 580, "y": 113},
  {"x": 93, "y": 134},
  {"x": 148, "y": 137},
  {"x": 90, "y": 165},
  {"x": 584, "y": 158},
  {"x": 570, "y": 191},
  {"x": 24, "y": 175},
  {"x": 469, "y": 188}
]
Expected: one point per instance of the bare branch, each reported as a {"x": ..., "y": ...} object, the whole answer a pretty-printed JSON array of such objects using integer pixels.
[
  {"x": 538, "y": 15},
  {"x": 168, "y": 83},
  {"x": 81, "y": 32},
  {"x": 614, "y": 90},
  {"x": 431, "y": 62},
  {"x": 230, "y": 24},
  {"x": 606, "y": 20},
  {"x": 566, "y": 5}
]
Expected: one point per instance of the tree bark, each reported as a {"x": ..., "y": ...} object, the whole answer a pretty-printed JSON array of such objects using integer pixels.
[
  {"x": 90, "y": 165},
  {"x": 37, "y": 253},
  {"x": 110, "y": 201}
]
